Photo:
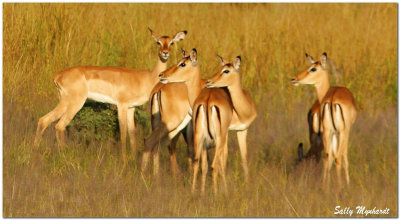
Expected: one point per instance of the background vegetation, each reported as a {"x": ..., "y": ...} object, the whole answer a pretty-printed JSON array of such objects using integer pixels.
[{"x": 84, "y": 179}]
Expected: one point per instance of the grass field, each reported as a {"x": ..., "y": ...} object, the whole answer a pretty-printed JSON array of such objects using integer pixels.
[{"x": 84, "y": 180}]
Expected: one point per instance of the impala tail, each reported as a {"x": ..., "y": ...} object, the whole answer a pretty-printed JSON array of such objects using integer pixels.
[
  {"x": 338, "y": 117},
  {"x": 333, "y": 117},
  {"x": 204, "y": 121}
]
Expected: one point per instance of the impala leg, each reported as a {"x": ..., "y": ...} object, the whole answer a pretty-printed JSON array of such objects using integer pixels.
[
  {"x": 327, "y": 163},
  {"x": 156, "y": 159},
  {"x": 242, "y": 135},
  {"x": 197, "y": 151},
  {"x": 152, "y": 142},
  {"x": 339, "y": 157},
  {"x": 346, "y": 167},
  {"x": 188, "y": 135},
  {"x": 225, "y": 151},
  {"x": 329, "y": 139},
  {"x": 122, "y": 119},
  {"x": 145, "y": 160},
  {"x": 338, "y": 166},
  {"x": 199, "y": 126},
  {"x": 219, "y": 162},
  {"x": 49, "y": 118},
  {"x": 319, "y": 146},
  {"x": 224, "y": 162},
  {"x": 131, "y": 130},
  {"x": 328, "y": 157},
  {"x": 195, "y": 171},
  {"x": 172, "y": 154},
  {"x": 215, "y": 171},
  {"x": 145, "y": 157},
  {"x": 155, "y": 125},
  {"x": 204, "y": 169},
  {"x": 330, "y": 163},
  {"x": 344, "y": 141},
  {"x": 73, "y": 107}
]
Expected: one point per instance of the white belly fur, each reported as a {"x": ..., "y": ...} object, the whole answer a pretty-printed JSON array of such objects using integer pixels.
[
  {"x": 98, "y": 97},
  {"x": 139, "y": 101},
  {"x": 101, "y": 98},
  {"x": 237, "y": 127}
]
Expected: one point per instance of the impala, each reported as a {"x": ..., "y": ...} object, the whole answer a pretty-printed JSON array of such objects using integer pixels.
[
  {"x": 338, "y": 112},
  {"x": 204, "y": 102},
  {"x": 244, "y": 109},
  {"x": 123, "y": 87},
  {"x": 170, "y": 115}
]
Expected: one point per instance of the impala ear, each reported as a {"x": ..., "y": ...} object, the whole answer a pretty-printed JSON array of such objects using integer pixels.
[
  {"x": 155, "y": 36},
  {"x": 323, "y": 59},
  {"x": 310, "y": 59},
  {"x": 221, "y": 60},
  {"x": 236, "y": 62},
  {"x": 183, "y": 52},
  {"x": 193, "y": 56},
  {"x": 179, "y": 36}
]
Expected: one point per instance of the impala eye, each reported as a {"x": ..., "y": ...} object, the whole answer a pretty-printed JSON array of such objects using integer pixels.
[
  {"x": 226, "y": 71},
  {"x": 172, "y": 43},
  {"x": 182, "y": 64},
  {"x": 158, "y": 42},
  {"x": 313, "y": 69}
]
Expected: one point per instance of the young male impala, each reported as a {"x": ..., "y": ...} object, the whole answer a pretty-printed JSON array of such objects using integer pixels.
[
  {"x": 170, "y": 116},
  {"x": 123, "y": 87},
  {"x": 338, "y": 112}
]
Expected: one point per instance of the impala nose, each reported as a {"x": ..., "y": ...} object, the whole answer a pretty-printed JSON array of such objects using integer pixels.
[{"x": 294, "y": 81}]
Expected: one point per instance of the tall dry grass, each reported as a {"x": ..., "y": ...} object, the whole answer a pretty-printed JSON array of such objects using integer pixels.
[{"x": 84, "y": 179}]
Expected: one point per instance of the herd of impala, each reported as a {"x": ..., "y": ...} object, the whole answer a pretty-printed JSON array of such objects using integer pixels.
[{"x": 202, "y": 110}]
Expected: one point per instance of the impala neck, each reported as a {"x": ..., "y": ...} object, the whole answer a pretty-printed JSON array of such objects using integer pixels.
[
  {"x": 195, "y": 84},
  {"x": 322, "y": 86},
  {"x": 244, "y": 107},
  {"x": 160, "y": 66}
]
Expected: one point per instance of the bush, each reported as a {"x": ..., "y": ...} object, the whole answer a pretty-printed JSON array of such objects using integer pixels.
[
  {"x": 96, "y": 120},
  {"x": 99, "y": 121}
]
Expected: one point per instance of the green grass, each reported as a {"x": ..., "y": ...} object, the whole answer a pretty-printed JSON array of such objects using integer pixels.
[{"x": 84, "y": 179}]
